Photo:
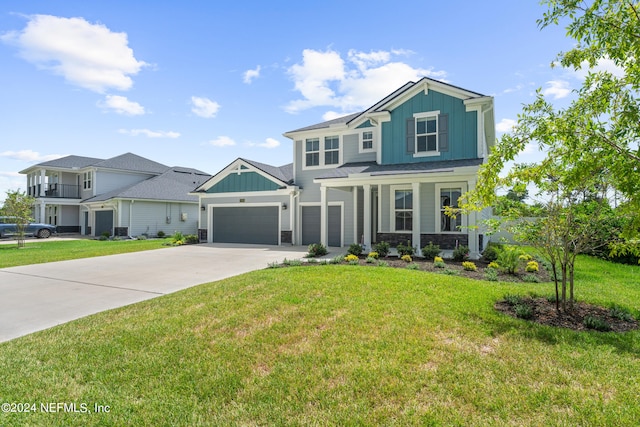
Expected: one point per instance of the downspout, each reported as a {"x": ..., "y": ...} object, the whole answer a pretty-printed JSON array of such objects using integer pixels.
[
  {"x": 292, "y": 215},
  {"x": 131, "y": 216}
]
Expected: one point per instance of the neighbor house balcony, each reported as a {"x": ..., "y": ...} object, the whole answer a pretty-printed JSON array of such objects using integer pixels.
[{"x": 56, "y": 191}]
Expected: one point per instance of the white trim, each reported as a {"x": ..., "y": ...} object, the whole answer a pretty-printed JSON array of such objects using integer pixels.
[
  {"x": 392, "y": 206},
  {"x": 211, "y": 206},
  {"x": 355, "y": 215},
  {"x": 234, "y": 168},
  {"x": 341, "y": 204},
  {"x": 281, "y": 192},
  {"x": 426, "y": 115},
  {"x": 462, "y": 185},
  {"x": 373, "y": 132},
  {"x": 321, "y": 152}
]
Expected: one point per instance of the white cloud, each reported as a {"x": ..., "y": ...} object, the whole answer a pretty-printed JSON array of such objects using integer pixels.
[
  {"x": 326, "y": 79},
  {"x": 505, "y": 125},
  {"x": 86, "y": 55},
  {"x": 150, "y": 133},
  {"x": 604, "y": 64},
  {"x": 222, "y": 141},
  {"x": 204, "y": 107},
  {"x": 121, "y": 105},
  {"x": 30, "y": 156},
  {"x": 557, "y": 88},
  {"x": 251, "y": 75},
  {"x": 268, "y": 143}
]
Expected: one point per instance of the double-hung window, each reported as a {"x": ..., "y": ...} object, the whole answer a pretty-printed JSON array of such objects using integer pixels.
[
  {"x": 427, "y": 134},
  {"x": 312, "y": 151},
  {"x": 403, "y": 210},
  {"x": 449, "y": 198},
  {"x": 367, "y": 140},
  {"x": 86, "y": 180},
  {"x": 331, "y": 150}
]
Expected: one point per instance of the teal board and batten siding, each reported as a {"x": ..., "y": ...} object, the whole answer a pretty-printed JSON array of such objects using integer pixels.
[
  {"x": 246, "y": 181},
  {"x": 462, "y": 135}
]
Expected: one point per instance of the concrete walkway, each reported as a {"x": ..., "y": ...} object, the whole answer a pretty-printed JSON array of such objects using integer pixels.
[{"x": 40, "y": 296}]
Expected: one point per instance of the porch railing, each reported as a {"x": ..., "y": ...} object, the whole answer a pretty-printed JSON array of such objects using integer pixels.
[{"x": 56, "y": 191}]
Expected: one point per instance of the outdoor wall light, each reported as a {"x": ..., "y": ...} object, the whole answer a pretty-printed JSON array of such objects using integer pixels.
[
  {"x": 284, "y": 206},
  {"x": 202, "y": 208}
]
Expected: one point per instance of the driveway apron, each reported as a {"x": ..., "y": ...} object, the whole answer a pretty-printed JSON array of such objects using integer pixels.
[{"x": 40, "y": 296}]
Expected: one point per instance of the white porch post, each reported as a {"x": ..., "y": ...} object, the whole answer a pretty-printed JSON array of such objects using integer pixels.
[
  {"x": 356, "y": 238},
  {"x": 324, "y": 235},
  {"x": 367, "y": 217},
  {"x": 472, "y": 230},
  {"x": 42, "y": 178},
  {"x": 415, "y": 229}
]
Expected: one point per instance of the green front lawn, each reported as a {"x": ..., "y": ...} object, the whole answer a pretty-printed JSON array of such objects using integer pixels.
[
  {"x": 334, "y": 345},
  {"x": 39, "y": 251}
]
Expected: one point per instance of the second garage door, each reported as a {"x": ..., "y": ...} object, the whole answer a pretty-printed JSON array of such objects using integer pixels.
[{"x": 257, "y": 225}]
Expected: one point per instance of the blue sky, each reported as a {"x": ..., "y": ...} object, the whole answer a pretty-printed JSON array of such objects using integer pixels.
[{"x": 198, "y": 84}]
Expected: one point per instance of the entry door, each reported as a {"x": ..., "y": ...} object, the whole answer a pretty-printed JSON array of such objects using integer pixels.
[{"x": 335, "y": 226}]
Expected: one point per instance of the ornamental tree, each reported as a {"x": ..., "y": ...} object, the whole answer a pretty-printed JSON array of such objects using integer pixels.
[{"x": 19, "y": 205}]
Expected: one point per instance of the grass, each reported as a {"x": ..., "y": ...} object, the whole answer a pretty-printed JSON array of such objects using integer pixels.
[
  {"x": 334, "y": 345},
  {"x": 40, "y": 251}
]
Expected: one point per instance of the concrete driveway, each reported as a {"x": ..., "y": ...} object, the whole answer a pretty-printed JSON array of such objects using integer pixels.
[{"x": 40, "y": 296}]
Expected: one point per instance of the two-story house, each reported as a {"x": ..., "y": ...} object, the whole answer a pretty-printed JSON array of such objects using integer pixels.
[
  {"x": 384, "y": 174},
  {"x": 126, "y": 195}
]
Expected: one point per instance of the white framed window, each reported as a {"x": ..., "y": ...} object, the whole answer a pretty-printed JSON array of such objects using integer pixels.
[
  {"x": 322, "y": 152},
  {"x": 312, "y": 152},
  {"x": 331, "y": 150},
  {"x": 366, "y": 142},
  {"x": 447, "y": 196},
  {"x": 402, "y": 209},
  {"x": 87, "y": 179},
  {"x": 426, "y": 134}
]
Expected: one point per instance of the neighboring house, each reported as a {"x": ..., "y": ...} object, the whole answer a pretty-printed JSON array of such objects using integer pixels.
[
  {"x": 126, "y": 195},
  {"x": 384, "y": 174}
]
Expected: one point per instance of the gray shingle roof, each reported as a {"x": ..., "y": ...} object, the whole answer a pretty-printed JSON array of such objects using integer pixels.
[
  {"x": 323, "y": 125},
  {"x": 400, "y": 169},
  {"x": 173, "y": 185},
  {"x": 283, "y": 173},
  {"x": 71, "y": 162},
  {"x": 132, "y": 162}
]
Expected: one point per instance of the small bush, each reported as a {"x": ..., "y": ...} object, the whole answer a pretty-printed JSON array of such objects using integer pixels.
[
  {"x": 142, "y": 237},
  {"x": 191, "y": 239},
  {"x": 493, "y": 265},
  {"x": 450, "y": 272},
  {"x": 431, "y": 251},
  {"x": 316, "y": 250},
  {"x": 469, "y": 266},
  {"x": 337, "y": 260},
  {"x": 532, "y": 267},
  {"x": 523, "y": 311},
  {"x": 273, "y": 264},
  {"x": 355, "y": 249},
  {"x": 374, "y": 255},
  {"x": 492, "y": 251},
  {"x": 512, "y": 299},
  {"x": 594, "y": 322},
  {"x": 438, "y": 262},
  {"x": 461, "y": 253},
  {"x": 160, "y": 234},
  {"x": 371, "y": 260},
  {"x": 509, "y": 259},
  {"x": 525, "y": 257},
  {"x": 351, "y": 257},
  {"x": 621, "y": 313},
  {"x": 413, "y": 266},
  {"x": 531, "y": 278},
  {"x": 383, "y": 264},
  {"x": 312, "y": 261},
  {"x": 106, "y": 234},
  {"x": 405, "y": 249},
  {"x": 382, "y": 248},
  {"x": 292, "y": 262},
  {"x": 491, "y": 275},
  {"x": 103, "y": 237},
  {"x": 438, "y": 259},
  {"x": 406, "y": 258}
]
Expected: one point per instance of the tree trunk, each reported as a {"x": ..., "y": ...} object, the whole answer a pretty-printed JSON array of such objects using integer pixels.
[{"x": 555, "y": 279}]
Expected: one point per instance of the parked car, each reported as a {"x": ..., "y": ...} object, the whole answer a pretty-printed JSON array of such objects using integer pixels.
[{"x": 8, "y": 228}]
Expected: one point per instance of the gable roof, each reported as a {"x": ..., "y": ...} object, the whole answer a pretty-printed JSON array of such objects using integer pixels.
[
  {"x": 282, "y": 175},
  {"x": 174, "y": 185},
  {"x": 125, "y": 162},
  {"x": 67, "y": 162}
]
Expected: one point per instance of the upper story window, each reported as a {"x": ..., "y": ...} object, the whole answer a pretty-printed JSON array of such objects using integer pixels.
[
  {"x": 323, "y": 152},
  {"x": 367, "y": 140},
  {"x": 87, "y": 179},
  {"x": 331, "y": 150},
  {"x": 312, "y": 150},
  {"x": 428, "y": 134}
]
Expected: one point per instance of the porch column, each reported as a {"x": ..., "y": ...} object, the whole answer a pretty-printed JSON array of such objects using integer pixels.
[
  {"x": 42, "y": 179},
  {"x": 415, "y": 228},
  {"x": 356, "y": 238},
  {"x": 42, "y": 214},
  {"x": 366, "y": 223},
  {"x": 472, "y": 229},
  {"x": 324, "y": 235}
]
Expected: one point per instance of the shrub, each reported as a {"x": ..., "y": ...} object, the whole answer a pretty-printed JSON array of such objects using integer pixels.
[
  {"x": 492, "y": 251},
  {"x": 469, "y": 266},
  {"x": 493, "y": 265},
  {"x": 431, "y": 251},
  {"x": 292, "y": 262},
  {"x": 177, "y": 238},
  {"x": 373, "y": 255},
  {"x": 103, "y": 237},
  {"x": 438, "y": 262},
  {"x": 337, "y": 260},
  {"x": 413, "y": 266},
  {"x": 621, "y": 313},
  {"x": 316, "y": 250},
  {"x": 273, "y": 264},
  {"x": 532, "y": 267},
  {"x": 405, "y": 249},
  {"x": 525, "y": 257},
  {"x": 450, "y": 272},
  {"x": 406, "y": 258},
  {"x": 531, "y": 278},
  {"x": 491, "y": 275},
  {"x": 160, "y": 234},
  {"x": 382, "y": 248},
  {"x": 191, "y": 239},
  {"x": 142, "y": 237},
  {"x": 312, "y": 261},
  {"x": 509, "y": 259},
  {"x": 371, "y": 260},
  {"x": 523, "y": 311},
  {"x": 383, "y": 264},
  {"x": 351, "y": 257},
  {"x": 461, "y": 253},
  {"x": 355, "y": 249},
  {"x": 594, "y": 322},
  {"x": 106, "y": 234},
  {"x": 512, "y": 299}
]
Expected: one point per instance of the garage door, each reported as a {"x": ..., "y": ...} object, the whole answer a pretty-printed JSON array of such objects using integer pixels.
[
  {"x": 104, "y": 222},
  {"x": 257, "y": 225},
  {"x": 311, "y": 225}
]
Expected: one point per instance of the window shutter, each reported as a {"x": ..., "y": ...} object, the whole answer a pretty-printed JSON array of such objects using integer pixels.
[
  {"x": 411, "y": 135},
  {"x": 443, "y": 132}
]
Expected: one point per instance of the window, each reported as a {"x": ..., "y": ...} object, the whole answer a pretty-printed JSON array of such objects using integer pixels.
[
  {"x": 403, "y": 210},
  {"x": 427, "y": 134},
  {"x": 367, "y": 140},
  {"x": 86, "y": 181},
  {"x": 331, "y": 150},
  {"x": 312, "y": 150},
  {"x": 449, "y": 197}
]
